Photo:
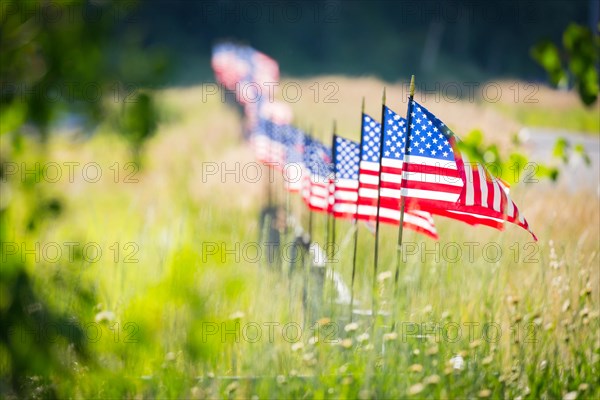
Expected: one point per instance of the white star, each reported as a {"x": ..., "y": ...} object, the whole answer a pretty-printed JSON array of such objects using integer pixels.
[{"x": 421, "y": 151}]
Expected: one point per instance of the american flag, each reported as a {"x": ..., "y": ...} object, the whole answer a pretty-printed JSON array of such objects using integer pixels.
[
  {"x": 278, "y": 112},
  {"x": 368, "y": 177},
  {"x": 266, "y": 69},
  {"x": 436, "y": 178},
  {"x": 345, "y": 192},
  {"x": 318, "y": 163},
  {"x": 394, "y": 130},
  {"x": 431, "y": 178},
  {"x": 229, "y": 64},
  {"x": 394, "y": 140},
  {"x": 244, "y": 70},
  {"x": 267, "y": 134},
  {"x": 266, "y": 140}
]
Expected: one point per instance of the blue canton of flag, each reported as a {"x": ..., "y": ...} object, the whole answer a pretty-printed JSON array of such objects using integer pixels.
[
  {"x": 430, "y": 173},
  {"x": 429, "y": 136},
  {"x": 369, "y": 169},
  {"x": 370, "y": 140},
  {"x": 345, "y": 193}
]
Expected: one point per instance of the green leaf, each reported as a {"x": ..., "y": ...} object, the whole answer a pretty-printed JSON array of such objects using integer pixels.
[
  {"x": 580, "y": 150},
  {"x": 544, "y": 171},
  {"x": 12, "y": 116},
  {"x": 547, "y": 55},
  {"x": 560, "y": 149}
]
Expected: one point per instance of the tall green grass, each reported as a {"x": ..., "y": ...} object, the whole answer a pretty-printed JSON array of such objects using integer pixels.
[{"x": 157, "y": 314}]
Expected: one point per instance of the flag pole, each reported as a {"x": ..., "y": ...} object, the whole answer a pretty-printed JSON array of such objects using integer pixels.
[
  {"x": 376, "y": 256},
  {"x": 308, "y": 260},
  {"x": 355, "y": 220},
  {"x": 269, "y": 159},
  {"x": 403, "y": 198},
  {"x": 330, "y": 252}
]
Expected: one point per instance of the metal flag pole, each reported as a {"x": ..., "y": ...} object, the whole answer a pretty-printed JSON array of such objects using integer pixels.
[
  {"x": 403, "y": 198},
  {"x": 307, "y": 260},
  {"x": 268, "y": 164},
  {"x": 355, "y": 220},
  {"x": 330, "y": 251},
  {"x": 376, "y": 257}
]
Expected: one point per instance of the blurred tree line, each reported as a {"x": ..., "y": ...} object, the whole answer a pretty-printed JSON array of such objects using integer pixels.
[{"x": 457, "y": 39}]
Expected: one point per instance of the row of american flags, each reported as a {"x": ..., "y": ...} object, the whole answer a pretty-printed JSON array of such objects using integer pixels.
[{"x": 412, "y": 166}]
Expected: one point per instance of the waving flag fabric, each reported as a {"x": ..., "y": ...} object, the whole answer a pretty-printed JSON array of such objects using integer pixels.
[
  {"x": 318, "y": 163},
  {"x": 436, "y": 178},
  {"x": 368, "y": 178},
  {"x": 244, "y": 70},
  {"x": 230, "y": 65},
  {"x": 487, "y": 197},
  {"x": 267, "y": 142},
  {"x": 391, "y": 175},
  {"x": 345, "y": 193}
]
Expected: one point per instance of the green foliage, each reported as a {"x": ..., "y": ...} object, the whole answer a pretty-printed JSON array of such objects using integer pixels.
[
  {"x": 581, "y": 49},
  {"x": 513, "y": 169},
  {"x": 548, "y": 56},
  {"x": 54, "y": 68},
  {"x": 138, "y": 120}
]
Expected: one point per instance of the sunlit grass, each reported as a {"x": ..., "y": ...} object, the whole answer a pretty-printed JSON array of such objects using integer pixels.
[{"x": 542, "y": 297}]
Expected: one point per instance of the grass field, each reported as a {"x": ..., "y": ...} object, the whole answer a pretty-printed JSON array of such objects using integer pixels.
[{"x": 176, "y": 305}]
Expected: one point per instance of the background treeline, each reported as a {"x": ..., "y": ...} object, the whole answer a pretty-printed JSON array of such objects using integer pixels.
[{"x": 386, "y": 38}]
